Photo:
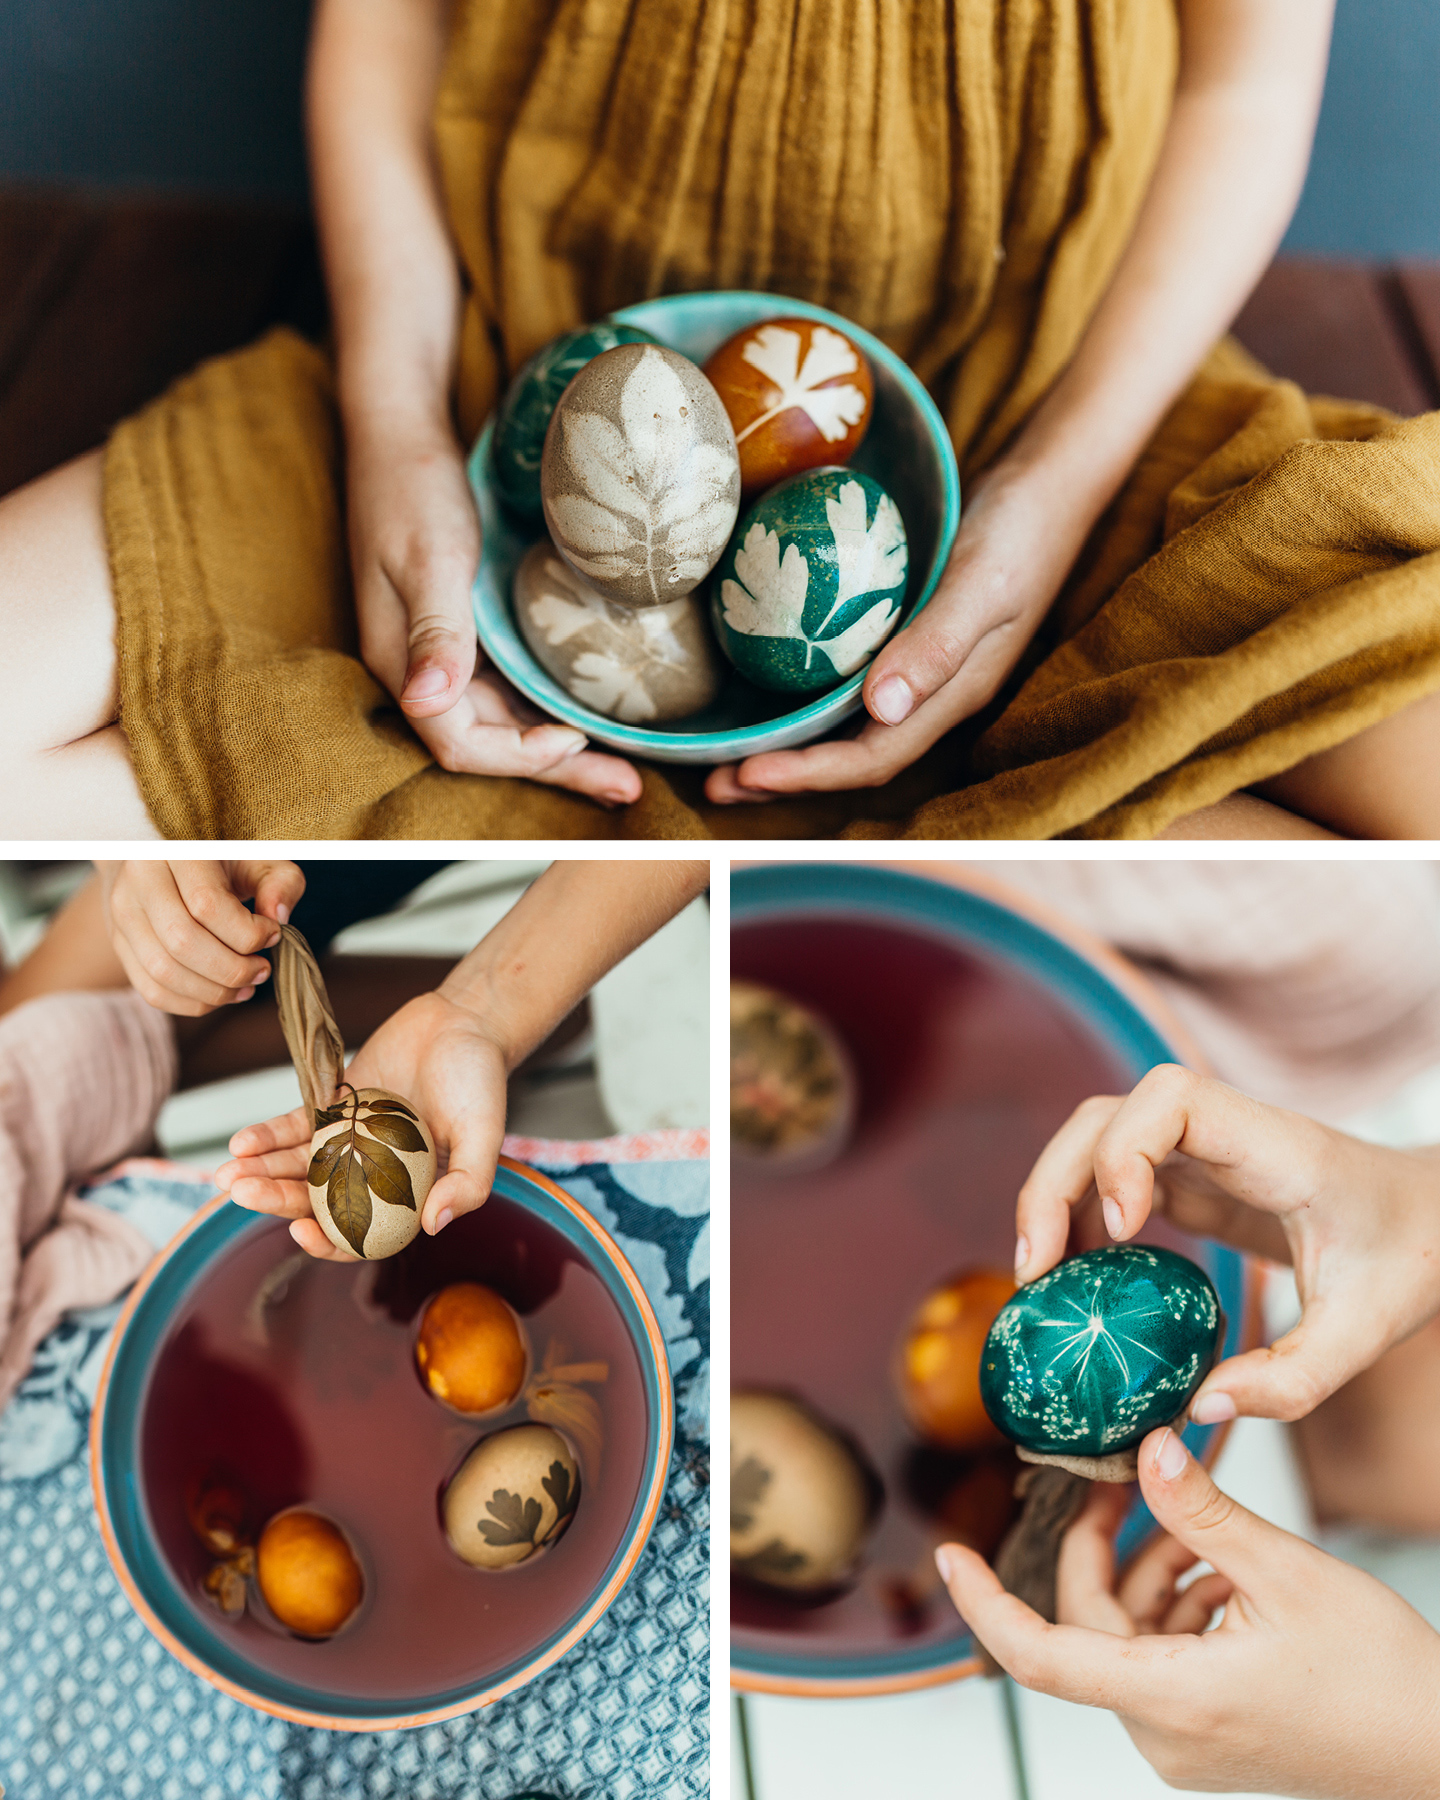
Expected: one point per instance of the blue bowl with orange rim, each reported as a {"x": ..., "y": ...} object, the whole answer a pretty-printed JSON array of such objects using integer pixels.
[
  {"x": 239, "y": 1360},
  {"x": 975, "y": 1021},
  {"x": 907, "y": 450}
]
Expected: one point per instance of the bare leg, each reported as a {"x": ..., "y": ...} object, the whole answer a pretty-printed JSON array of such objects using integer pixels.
[
  {"x": 1243, "y": 816},
  {"x": 1382, "y": 783},
  {"x": 75, "y": 955},
  {"x": 64, "y": 760}
]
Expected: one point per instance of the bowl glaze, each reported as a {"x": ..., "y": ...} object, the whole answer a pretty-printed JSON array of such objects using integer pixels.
[
  {"x": 907, "y": 450},
  {"x": 976, "y": 1021},
  {"x": 128, "y": 1513}
]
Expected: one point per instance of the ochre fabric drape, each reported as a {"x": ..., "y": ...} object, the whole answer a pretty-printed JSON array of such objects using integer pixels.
[{"x": 960, "y": 176}]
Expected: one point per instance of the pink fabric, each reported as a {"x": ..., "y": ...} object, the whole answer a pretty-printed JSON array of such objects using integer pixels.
[
  {"x": 82, "y": 1078},
  {"x": 1312, "y": 985}
]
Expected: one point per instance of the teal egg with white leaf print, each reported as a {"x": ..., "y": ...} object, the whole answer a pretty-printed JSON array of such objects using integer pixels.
[
  {"x": 1092, "y": 1356},
  {"x": 812, "y": 581},
  {"x": 524, "y": 415}
]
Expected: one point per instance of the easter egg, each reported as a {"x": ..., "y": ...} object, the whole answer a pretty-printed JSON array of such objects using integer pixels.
[
  {"x": 798, "y": 393},
  {"x": 641, "y": 664},
  {"x": 1089, "y": 1358},
  {"x": 812, "y": 582},
  {"x": 308, "y": 1572},
  {"x": 938, "y": 1372},
  {"x": 470, "y": 1348},
  {"x": 792, "y": 1089},
  {"x": 372, "y": 1162},
  {"x": 801, "y": 1501},
  {"x": 640, "y": 479},
  {"x": 518, "y": 440},
  {"x": 515, "y": 1493}
]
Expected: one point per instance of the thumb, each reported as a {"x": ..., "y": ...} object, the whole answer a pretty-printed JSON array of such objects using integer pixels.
[
  {"x": 918, "y": 661},
  {"x": 275, "y": 887},
  {"x": 469, "y": 1172},
  {"x": 1296, "y": 1373},
  {"x": 442, "y": 646},
  {"x": 1187, "y": 1504}
]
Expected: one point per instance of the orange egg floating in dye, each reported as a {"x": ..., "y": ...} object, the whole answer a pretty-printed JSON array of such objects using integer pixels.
[
  {"x": 471, "y": 1349},
  {"x": 939, "y": 1370},
  {"x": 308, "y": 1573},
  {"x": 798, "y": 393}
]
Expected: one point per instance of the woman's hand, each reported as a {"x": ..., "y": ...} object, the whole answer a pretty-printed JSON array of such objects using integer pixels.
[
  {"x": 414, "y": 546},
  {"x": 441, "y": 1058},
  {"x": 1319, "y": 1681},
  {"x": 182, "y": 934},
  {"x": 1360, "y": 1224},
  {"x": 1016, "y": 543}
]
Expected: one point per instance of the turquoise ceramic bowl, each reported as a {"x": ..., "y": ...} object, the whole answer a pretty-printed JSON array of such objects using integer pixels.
[
  {"x": 976, "y": 1021},
  {"x": 907, "y": 450},
  {"x": 183, "y": 1623}
]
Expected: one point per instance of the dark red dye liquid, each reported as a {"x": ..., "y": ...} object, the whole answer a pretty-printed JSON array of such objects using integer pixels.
[
  {"x": 965, "y": 1069},
  {"x": 313, "y": 1397}
]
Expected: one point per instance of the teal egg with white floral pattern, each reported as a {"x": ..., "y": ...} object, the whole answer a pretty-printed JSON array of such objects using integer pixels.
[
  {"x": 1101, "y": 1350},
  {"x": 812, "y": 581},
  {"x": 524, "y": 415}
]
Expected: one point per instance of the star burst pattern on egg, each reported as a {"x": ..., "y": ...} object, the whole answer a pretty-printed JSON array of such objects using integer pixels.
[{"x": 1104, "y": 1348}]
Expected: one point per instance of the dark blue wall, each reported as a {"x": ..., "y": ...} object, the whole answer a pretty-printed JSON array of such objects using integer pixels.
[{"x": 204, "y": 95}]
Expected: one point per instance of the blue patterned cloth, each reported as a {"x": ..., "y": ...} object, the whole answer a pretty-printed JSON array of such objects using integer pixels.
[{"x": 93, "y": 1708}]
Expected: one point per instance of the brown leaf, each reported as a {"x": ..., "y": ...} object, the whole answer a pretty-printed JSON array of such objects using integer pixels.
[
  {"x": 390, "y": 1106},
  {"x": 323, "y": 1161},
  {"x": 387, "y": 1175},
  {"x": 311, "y": 1034},
  {"x": 573, "y": 1411},
  {"x": 350, "y": 1204},
  {"x": 400, "y": 1134}
]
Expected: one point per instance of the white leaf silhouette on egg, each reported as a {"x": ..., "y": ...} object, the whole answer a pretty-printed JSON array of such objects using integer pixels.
[{"x": 775, "y": 352}]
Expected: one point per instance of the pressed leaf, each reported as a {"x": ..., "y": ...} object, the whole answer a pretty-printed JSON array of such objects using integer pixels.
[
  {"x": 571, "y": 1410},
  {"x": 350, "y": 1203},
  {"x": 747, "y": 1485},
  {"x": 324, "y": 1159},
  {"x": 565, "y": 1493},
  {"x": 329, "y": 1115},
  {"x": 311, "y": 1034},
  {"x": 775, "y": 352},
  {"x": 772, "y": 1559},
  {"x": 387, "y": 1105},
  {"x": 388, "y": 1177},
  {"x": 517, "y": 1520},
  {"x": 399, "y": 1134}
]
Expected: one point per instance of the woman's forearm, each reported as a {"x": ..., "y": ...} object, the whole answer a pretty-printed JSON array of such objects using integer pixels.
[
  {"x": 1227, "y": 181},
  {"x": 573, "y": 925},
  {"x": 392, "y": 274}
]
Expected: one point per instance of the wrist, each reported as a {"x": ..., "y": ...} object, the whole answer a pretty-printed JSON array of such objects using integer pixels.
[{"x": 473, "y": 993}]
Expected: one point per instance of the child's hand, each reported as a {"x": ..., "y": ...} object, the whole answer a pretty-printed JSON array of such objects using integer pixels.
[
  {"x": 1319, "y": 1681},
  {"x": 182, "y": 934},
  {"x": 1360, "y": 1224},
  {"x": 439, "y": 1057},
  {"x": 414, "y": 546},
  {"x": 1015, "y": 546}
]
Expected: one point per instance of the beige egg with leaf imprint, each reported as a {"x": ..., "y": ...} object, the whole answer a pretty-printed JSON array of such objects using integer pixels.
[
  {"x": 801, "y": 1500},
  {"x": 514, "y": 1494},
  {"x": 372, "y": 1163}
]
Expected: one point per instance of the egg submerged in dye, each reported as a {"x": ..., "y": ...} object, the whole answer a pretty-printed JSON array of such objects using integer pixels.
[
  {"x": 514, "y": 1495},
  {"x": 801, "y": 1500}
]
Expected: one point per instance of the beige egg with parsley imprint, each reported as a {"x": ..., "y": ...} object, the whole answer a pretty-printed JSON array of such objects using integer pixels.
[
  {"x": 640, "y": 664},
  {"x": 801, "y": 1500},
  {"x": 513, "y": 1496},
  {"x": 372, "y": 1163}
]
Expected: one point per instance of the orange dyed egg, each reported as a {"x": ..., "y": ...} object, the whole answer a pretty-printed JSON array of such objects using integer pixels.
[
  {"x": 471, "y": 1350},
  {"x": 308, "y": 1573},
  {"x": 798, "y": 393},
  {"x": 939, "y": 1371}
]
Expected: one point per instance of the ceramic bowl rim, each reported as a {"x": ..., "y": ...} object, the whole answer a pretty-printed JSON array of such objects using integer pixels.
[
  {"x": 1089, "y": 977},
  {"x": 655, "y": 1371},
  {"x": 506, "y": 647}
]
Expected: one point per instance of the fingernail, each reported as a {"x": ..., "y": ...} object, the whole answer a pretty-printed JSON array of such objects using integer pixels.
[
  {"x": 942, "y": 1563},
  {"x": 616, "y": 796},
  {"x": 426, "y": 685},
  {"x": 1114, "y": 1218},
  {"x": 261, "y": 975},
  {"x": 1213, "y": 1409},
  {"x": 282, "y": 913},
  {"x": 445, "y": 1217},
  {"x": 245, "y": 994},
  {"x": 1022, "y": 1253},
  {"x": 1170, "y": 1456},
  {"x": 892, "y": 700}
]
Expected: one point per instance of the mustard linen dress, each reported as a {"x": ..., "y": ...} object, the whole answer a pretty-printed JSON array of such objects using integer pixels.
[{"x": 960, "y": 176}]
